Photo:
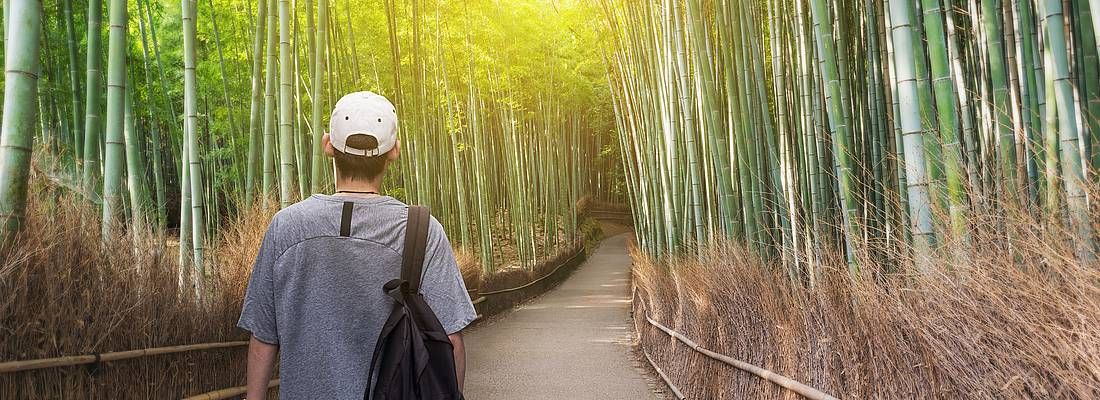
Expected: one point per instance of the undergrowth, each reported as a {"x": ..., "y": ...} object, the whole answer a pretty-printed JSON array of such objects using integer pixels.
[
  {"x": 64, "y": 291},
  {"x": 1008, "y": 312}
]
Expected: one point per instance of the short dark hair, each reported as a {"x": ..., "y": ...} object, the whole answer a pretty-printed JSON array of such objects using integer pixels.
[{"x": 351, "y": 166}]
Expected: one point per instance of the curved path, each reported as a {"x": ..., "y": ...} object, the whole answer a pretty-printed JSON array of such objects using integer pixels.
[{"x": 573, "y": 342}]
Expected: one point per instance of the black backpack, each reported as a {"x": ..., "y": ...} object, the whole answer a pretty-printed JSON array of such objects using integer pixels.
[{"x": 413, "y": 356}]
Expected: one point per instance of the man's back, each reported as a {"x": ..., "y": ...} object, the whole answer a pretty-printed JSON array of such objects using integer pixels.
[{"x": 319, "y": 296}]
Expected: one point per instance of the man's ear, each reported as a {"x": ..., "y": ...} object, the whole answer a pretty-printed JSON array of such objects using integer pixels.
[
  {"x": 326, "y": 143},
  {"x": 395, "y": 152}
]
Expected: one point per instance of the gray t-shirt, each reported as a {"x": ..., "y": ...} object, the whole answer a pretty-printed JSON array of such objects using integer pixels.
[{"x": 319, "y": 295}]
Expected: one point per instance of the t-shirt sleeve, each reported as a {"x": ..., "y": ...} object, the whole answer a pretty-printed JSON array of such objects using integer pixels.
[
  {"x": 442, "y": 284},
  {"x": 258, "y": 312}
]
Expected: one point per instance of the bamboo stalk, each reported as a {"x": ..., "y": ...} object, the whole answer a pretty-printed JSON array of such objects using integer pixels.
[
  {"x": 94, "y": 80},
  {"x": 21, "y": 66},
  {"x": 256, "y": 120},
  {"x": 68, "y": 361},
  {"x": 194, "y": 160},
  {"x": 114, "y": 160},
  {"x": 286, "y": 82}
]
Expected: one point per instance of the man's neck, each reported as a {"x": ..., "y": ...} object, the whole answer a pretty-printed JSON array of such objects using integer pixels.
[{"x": 359, "y": 187}]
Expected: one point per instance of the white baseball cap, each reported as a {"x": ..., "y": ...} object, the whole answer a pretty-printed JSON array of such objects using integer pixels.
[{"x": 363, "y": 113}]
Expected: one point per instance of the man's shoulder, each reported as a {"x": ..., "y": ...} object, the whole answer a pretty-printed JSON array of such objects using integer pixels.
[{"x": 307, "y": 209}]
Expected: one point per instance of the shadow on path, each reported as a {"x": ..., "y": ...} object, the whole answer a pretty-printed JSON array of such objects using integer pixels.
[{"x": 573, "y": 342}]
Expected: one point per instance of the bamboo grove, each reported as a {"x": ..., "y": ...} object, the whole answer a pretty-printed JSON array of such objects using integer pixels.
[
  {"x": 865, "y": 125},
  {"x": 171, "y": 117}
]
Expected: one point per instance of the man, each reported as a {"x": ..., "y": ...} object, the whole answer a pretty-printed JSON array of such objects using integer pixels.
[{"x": 315, "y": 296}]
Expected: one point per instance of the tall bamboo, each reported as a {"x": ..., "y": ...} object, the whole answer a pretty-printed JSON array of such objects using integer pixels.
[
  {"x": 154, "y": 127},
  {"x": 286, "y": 82},
  {"x": 93, "y": 80},
  {"x": 320, "y": 57},
  {"x": 944, "y": 87},
  {"x": 1002, "y": 124},
  {"x": 77, "y": 127},
  {"x": 190, "y": 113},
  {"x": 920, "y": 207},
  {"x": 135, "y": 168},
  {"x": 114, "y": 152},
  {"x": 1072, "y": 172},
  {"x": 21, "y": 66},
  {"x": 256, "y": 121},
  {"x": 269, "y": 106},
  {"x": 838, "y": 121},
  {"x": 962, "y": 83}
]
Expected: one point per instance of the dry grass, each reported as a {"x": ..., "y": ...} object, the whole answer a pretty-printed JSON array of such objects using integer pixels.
[
  {"x": 64, "y": 292},
  {"x": 470, "y": 267},
  {"x": 1014, "y": 315},
  {"x": 514, "y": 277}
]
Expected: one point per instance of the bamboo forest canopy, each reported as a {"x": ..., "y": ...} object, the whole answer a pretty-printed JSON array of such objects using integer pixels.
[
  {"x": 891, "y": 129},
  {"x": 172, "y": 116}
]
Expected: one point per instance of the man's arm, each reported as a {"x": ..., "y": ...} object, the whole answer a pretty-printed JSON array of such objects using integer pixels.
[
  {"x": 460, "y": 358},
  {"x": 261, "y": 362}
]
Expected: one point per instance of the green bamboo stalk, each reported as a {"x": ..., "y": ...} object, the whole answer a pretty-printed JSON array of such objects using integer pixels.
[
  {"x": 947, "y": 110},
  {"x": 709, "y": 115},
  {"x": 185, "y": 234},
  {"x": 1072, "y": 172},
  {"x": 154, "y": 127},
  {"x": 286, "y": 80},
  {"x": 301, "y": 148},
  {"x": 839, "y": 123},
  {"x": 94, "y": 82},
  {"x": 901, "y": 20},
  {"x": 190, "y": 112},
  {"x": 74, "y": 80},
  {"x": 135, "y": 167},
  {"x": 1051, "y": 200},
  {"x": 21, "y": 68},
  {"x": 255, "y": 125},
  {"x": 1002, "y": 123},
  {"x": 114, "y": 153},
  {"x": 320, "y": 59},
  {"x": 1029, "y": 91},
  {"x": 269, "y": 106}
]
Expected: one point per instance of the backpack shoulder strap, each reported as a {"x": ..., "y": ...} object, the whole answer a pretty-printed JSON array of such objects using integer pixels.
[
  {"x": 416, "y": 243},
  {"x": 345, "y": 219}
]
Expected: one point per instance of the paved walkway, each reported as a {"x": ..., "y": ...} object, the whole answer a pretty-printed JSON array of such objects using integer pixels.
[{"x": 570, "y": 343}]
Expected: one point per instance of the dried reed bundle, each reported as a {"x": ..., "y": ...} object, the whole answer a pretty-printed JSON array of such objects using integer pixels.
[{"x": 65, "y": 292}]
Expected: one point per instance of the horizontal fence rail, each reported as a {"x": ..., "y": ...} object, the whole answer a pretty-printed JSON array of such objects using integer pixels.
[
  {"x": 226, "y": 393},
  {"x": 67, "y": 361},
  {"x": 664, "y": 377},
  {"x": 788, "y": 383},
  {"x": 613, "y": 215},
  {"x": 579, "y": 252}
]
